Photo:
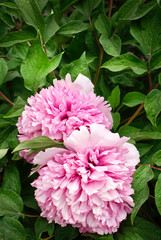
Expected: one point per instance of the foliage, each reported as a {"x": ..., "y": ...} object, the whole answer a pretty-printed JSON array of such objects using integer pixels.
[{"x": 117, "y": 44}]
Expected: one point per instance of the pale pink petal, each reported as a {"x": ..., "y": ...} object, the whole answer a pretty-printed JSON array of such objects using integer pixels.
[{"x": 83, "y": 83}]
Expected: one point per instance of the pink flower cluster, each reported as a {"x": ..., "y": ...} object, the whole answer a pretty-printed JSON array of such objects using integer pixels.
[
  {"x": 57, "y": 111},
  {"x": 88, "y": 183}
]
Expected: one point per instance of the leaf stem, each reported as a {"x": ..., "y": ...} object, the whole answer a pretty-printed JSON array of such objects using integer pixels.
[
  {"x": 135, "y": 114},
  {"x": 115, "y": 31},
  {"x": 110, "y": 9},
  {"x": 44, "y": 46},
  {"x": 6, "y": 99},
  {"x": 152, "y": 196},
  {"x": 29, "y": 43},
  {"x": 156, "y": 168},
  {"x": 31, "y": 216},
  {"x": 139, "y": 109},
  {"x": 48, "y": 237},
  {"x": 7, "y": 57},
  {"x": 149, "y": 74},
  {"x": 100, "y": 56},
  {"x": 98, "y": 67}
]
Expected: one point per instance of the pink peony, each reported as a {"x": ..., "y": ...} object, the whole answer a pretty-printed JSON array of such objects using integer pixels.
[
  {"x": 87, "y": 185},
  {"x": 57, "y": 111}
]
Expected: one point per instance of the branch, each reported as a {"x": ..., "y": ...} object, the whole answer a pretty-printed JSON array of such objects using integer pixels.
[
  {"x": 110, "y": 9},
  {"x": 135, "y": 114},
  {"x": 31, "y": 216},
  {"x": 100, "y": 56},
  {"x": 139, "y": 109},
  {"x": 6, "y": 99},
  {"x": 149, "y": 75},
  {"x": 98, "y": 67}
]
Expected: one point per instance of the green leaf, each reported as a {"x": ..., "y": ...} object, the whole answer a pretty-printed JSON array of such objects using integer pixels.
[
  {"x": 17, "y": 109},
  {"x": 50, "y": 66},
  {"x": 111, "y": 46},
  {"x": 103, "y": 25},
  {"x": 158, "y": 193},
  {"x": 153, "y": 105},
  {"x": 11, "y": 229},
  {"x": 65, "y": 233},
  {"x": 126, "y": 61},
  {"x": 116, "y": 120},
  {"x": 42, "y": 225},
  {"x": 31, "y": 66},
  {"x": 5, "y": 135},
  {"x": 3, "y": 152},
  {"x": 31, "y": 13},
  {"x": 155, "y": 62},
  {"x": 9, "y": 5},
  {"x": 143, "y": 148},
  {"x": 39, "y": 143},
  {"x": 6, "y": 18},
  {"x": 141, "y": 177},
  {"x": 127, "y": 78},
  {"x": 86, "y": 7},
  {"x": 108, "y": 237},
  {"x": 138, "y": 135},
  {"x": 3, "y": 70},
  {"x": 17, "y": 37},
  {"x": 114, "y": 99},
  {"x": 148, "y": 32},
  {"x": 143, "y": 10},
  {"x": 76, "y": 67},
  {"x": 133, "y": 99},
  {"x": 14, "y": 63},
  {"x": 73, "y": 27},
  {"x": 127, "y": 11},
  {"x": 156, "y": 158},
  {"x": 11, "y": 179},
  {"x": 140, "y": 230},
  {"x": 11, "y": 204},
  {"x": 146, "y": 229},
  {"x": 51, "y": 27}
]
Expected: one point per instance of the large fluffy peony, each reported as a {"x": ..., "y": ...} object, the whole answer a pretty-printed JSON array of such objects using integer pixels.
[
  {"x": 57, "y": 111},
  {"x": 88, "y": 184}
]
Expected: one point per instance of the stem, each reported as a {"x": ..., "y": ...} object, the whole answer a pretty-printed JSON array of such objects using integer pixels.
[
  {"x": 115, "y": 31},
  {"x": 156, "y": 86},
  {"x": 7, "y": 57},
  {"x": 125, "y": 120},
  {"x": 159, "y": 169},
  {"x": 32, "y": 216},
  {"x": 149, "y": 75},
  {"x": 110, "y": 9},
  {"x": 29, "y": 43},
  {"x": 100, "y": 56},
  {"x": 152, "y": 196},
  {"x": 52, "y": 72},
  {"x": 44, "y": 46},
  {"x": 48, "y": 237},
  {"x": 98, "y": 67},
  {"x": 135, "y": 114},
  {"x": 139, "y": 109},
  {"x": 18, "y": 27},
  {"x": 6, "y": 99},
  {"x": 119, "y": 108},
  {"x": 156, "y": 168}
]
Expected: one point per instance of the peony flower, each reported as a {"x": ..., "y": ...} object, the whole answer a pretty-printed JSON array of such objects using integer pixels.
[
  {"x": 87, "y": 185},
  {"x": 57, "y": 111}
]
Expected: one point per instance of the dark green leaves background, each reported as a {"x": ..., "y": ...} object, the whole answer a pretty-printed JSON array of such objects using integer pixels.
[{"x": 117, "y": 44}]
